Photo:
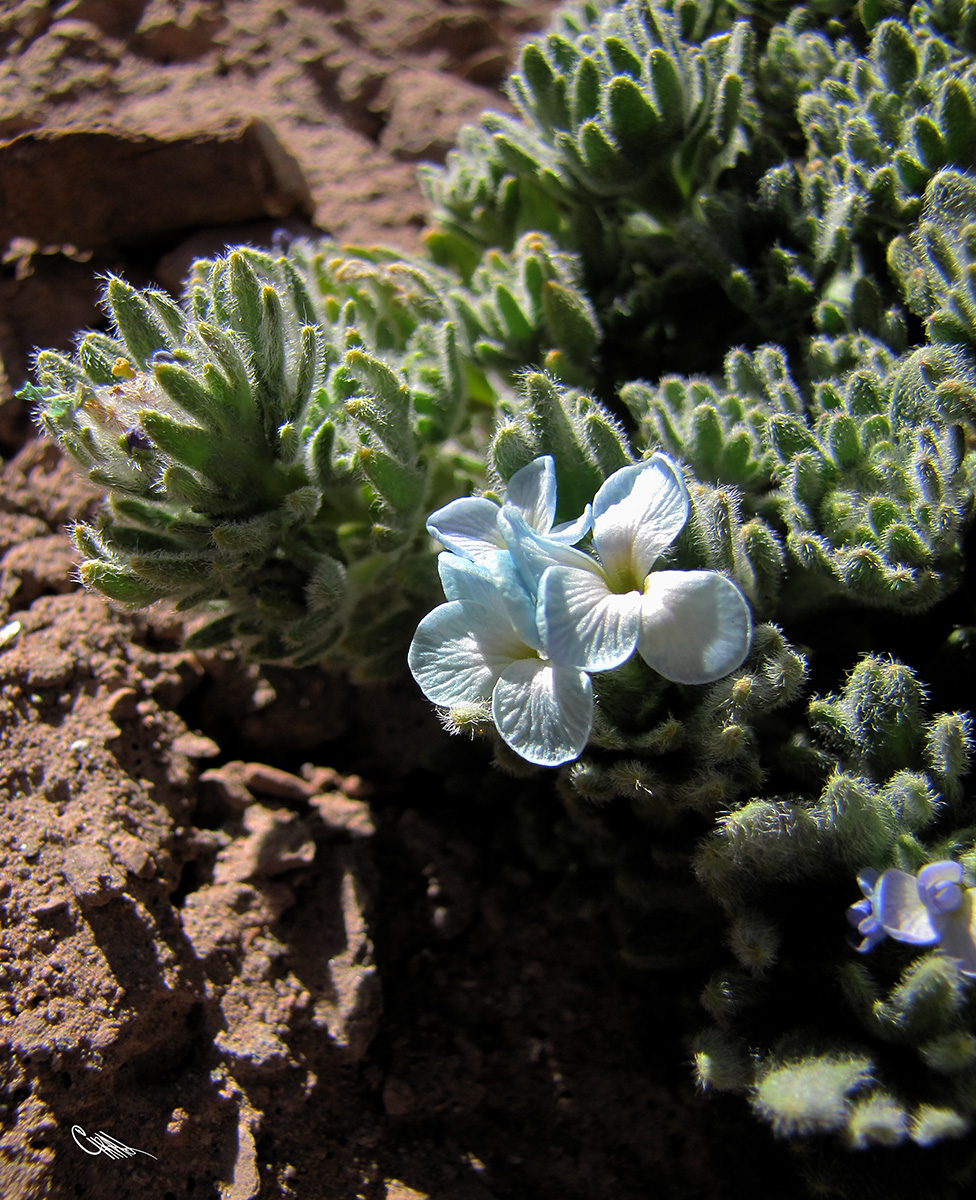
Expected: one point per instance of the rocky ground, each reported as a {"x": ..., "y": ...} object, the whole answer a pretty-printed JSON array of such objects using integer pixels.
[{"x": 252, "y": 924}]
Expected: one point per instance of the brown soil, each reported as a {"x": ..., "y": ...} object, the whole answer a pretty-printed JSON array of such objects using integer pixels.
[{"x": 274, "y": 977}]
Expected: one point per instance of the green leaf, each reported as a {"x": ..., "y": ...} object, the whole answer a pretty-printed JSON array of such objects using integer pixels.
[
  {"x": 119, "y": 584},
  {"x": 517, "y": 326},
  {"x": 599, "y": 158},
  {"x": 606, "y": 442},
  {"x": 912, "y": 174},
  {"x": 53, "y": 368},
  {"x": 188, "y": 444},
  {"x": 928, "y": 142},
  {"x": 188, "y": 392},
  {"x": 453, "y": 362},
  {"x": 184, "y": 487},
  {"x": 894, "y": 52},
  {"x": 320, "y": 450},
  {"x": 239, "y": 393},
  {"x": 136, "y": 321},
  {"x": 246, "y": 292},
  {"x": 791, "y": 437},
  {"x": 305, "y": 376},
  {"x": 168, "y": 311},
  {"x": 510, "y": 450},
  {"x": 400, "y": 485},
  {"x": 728, "y": 107},
  {"x": 586, "y": 91},
  {"x": 669, "y": 91},
  {"x": 844, "y": 443},
  {"x": 253, "y": 536},
  {"x": 272, "y": 359},
  {"x": 707, "y": 438},
  {"x": 174, "y": 572},
  {"x": 535, "y": 67},
  {"x": 378, "y": 378},
  {"x": 449, "y": 248},
  {"x": 564, "y": 52},
  {"x": 519, "y": 160},
  {"x": 300, "y": 296},
  {"x": 633, "y": 123},
  {"x": 97, "y": 355},
  {"x": 570, "y": 322},
  {"x": 90, "y": 544},
  {"x": 621, "y": 58},
  {"x": 957, "y": 122},
  {"x": 214, "y": 633}
]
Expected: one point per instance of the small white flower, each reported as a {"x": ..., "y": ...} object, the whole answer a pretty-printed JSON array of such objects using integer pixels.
[{"x": 690, "y": 626}]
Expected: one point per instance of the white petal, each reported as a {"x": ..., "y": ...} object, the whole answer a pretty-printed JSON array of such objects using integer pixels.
[
  {"x": 468, "y": 526},
  {"x": 533, "y": 553},
  {"x": 900, "y": 911},
  {"x": 583, "y": 623},
  {"x": 494, "y": 582},
  {"x": 571, "y": 532},
  {"x": 459, "y": 651},
  {"x": 637, "y": 514},
  {"x": 543, "y": 712},
  {"x": 695, "y": 625},
  {"x": 957, "y": 933},
  {"x": 532, "y": 490},
  {"x": 463, "y": 579}
]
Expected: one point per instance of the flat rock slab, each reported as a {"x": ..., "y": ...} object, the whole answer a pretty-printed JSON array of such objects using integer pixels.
[{"x": 102, "y": 188}]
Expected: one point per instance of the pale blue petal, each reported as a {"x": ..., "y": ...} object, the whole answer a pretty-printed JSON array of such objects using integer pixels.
[
  {"x": 534, "y": 554},
  {"x": 571, "y": 532},
  {"x": 957, "y": 933},
  {"x": 939, "y": 886},
  {"x": 583, "y": 623},
  {"x": 544, "y": 712},
  {"x": 695, "y": 625},
  {"x": 532, "y": 490},
  {"x": 494, "y": 582},
  {"x": 637, "y": 514},
  {"x": 943, "y": 871},
  {"x": 866, "y": 880},
  {"x": 900, "y": 911},
  {"x": 468, "y": 526},
  {"x": 459, "y": 651},
  {"x": 463, "y": 579},
  {"x": 860, "y": 913}
]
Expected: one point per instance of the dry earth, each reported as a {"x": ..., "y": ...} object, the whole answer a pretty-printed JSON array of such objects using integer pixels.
[{"x": 252, "y": 924}]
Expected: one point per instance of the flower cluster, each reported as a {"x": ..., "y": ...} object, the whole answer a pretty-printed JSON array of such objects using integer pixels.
[
  {"x": 927, "y": 909},
  {"x": 528, "y": 616}
]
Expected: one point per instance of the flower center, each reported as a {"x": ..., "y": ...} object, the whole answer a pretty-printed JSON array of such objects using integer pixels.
[{"x": 624, "y": 579}]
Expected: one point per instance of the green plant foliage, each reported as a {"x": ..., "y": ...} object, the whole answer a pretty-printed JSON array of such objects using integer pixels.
[
  {"x": 270, "y": 448},
  {"x": 527, "y": 308},
  {"x": 868, "y": 480},
  {"x": 885, "y": 772}
]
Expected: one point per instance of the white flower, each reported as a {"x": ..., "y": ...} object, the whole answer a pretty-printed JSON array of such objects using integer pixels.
[
  {"x": 690, "y": 626},
  {"x": 469, "y": 526},
  {"x": 483, "y": 645}
]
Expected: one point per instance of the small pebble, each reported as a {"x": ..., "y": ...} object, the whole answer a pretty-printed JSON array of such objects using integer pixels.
[
  {"x": 270, "y": 781},
  {"x": 9, "y": 634}
]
